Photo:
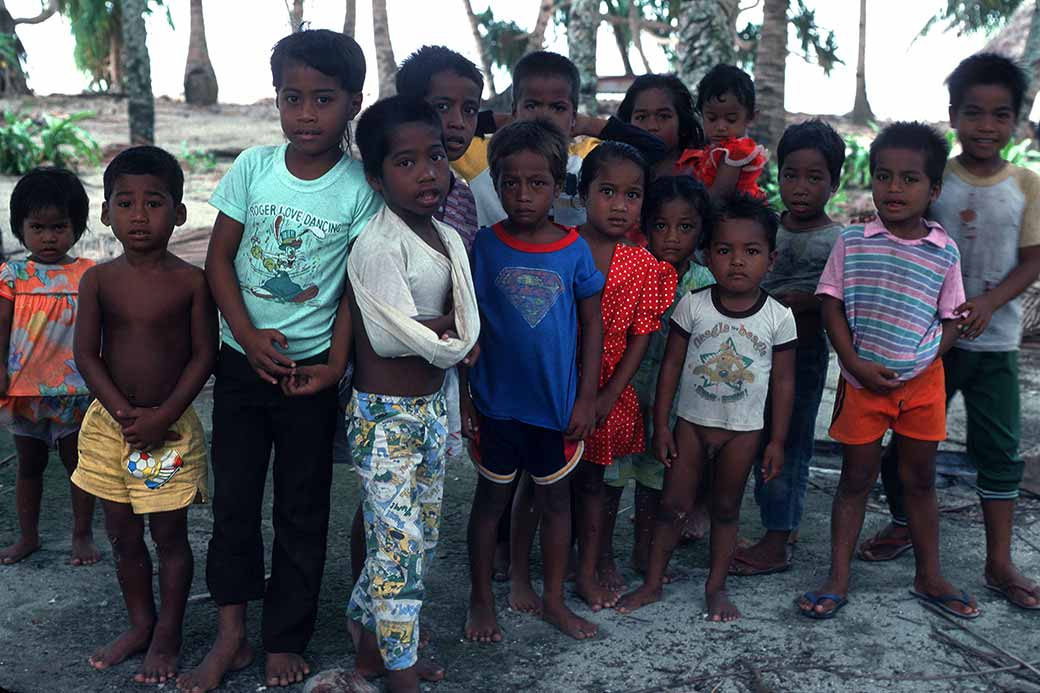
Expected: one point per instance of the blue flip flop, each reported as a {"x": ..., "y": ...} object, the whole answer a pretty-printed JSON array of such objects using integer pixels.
[
  {"x": 814, "y": 599},
  {"x": 943, "y": 602}
]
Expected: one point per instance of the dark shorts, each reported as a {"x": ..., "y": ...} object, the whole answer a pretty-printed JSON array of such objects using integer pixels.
[{"x": 506, "y": 446}]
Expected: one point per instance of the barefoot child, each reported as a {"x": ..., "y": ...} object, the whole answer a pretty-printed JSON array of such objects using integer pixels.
[
  {"x": 890, "y": 352},
  {"x": 145, "y": 353},
  {"x": 730, "y": 346},
  {"x": 42, "y": 395},
  {"x": 536, "y": 284},
  {"x": 416, "y": 316},
  {"x": 810, "y": 156},
  {"x": 637, "y": 291},
  {"x": 663, "y": 106},
  {"x": 676, "y": 214},
  {"x": 277, "y": 268}
]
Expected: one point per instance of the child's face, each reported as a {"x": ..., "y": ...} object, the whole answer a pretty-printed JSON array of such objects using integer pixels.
[
  {"x": 546, "y": 98},
  {"x": 48, "y": 235},
  {"x": 725, "y": 117},
  {"x": 901, "y": 189},
  {"x": 314, "y": 109},
  {"x": 526, "y": 187},
  {"x": 739, "y": 255},
  {"x": 985, "y": 121},
  {"x": 654, "y": 111},
  {"x": 674, "y": 232},
  {"x": 457, "y": 101},
  {"x": 805, "y": 184},
  {"x": 141, "y": 213},
  {"x": 615, "y": 198},
  {"x": 415, "y": 176}
]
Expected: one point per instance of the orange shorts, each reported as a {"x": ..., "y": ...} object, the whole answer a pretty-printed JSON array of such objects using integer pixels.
[{"x": 916, "y": 409}]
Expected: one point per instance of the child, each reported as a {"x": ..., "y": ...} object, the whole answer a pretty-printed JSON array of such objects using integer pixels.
[
  {"x": 730, "y": 346},
  {"x": 276, "y": 267},
  {"x": 676, "y": 214},
  {"x": 42, "y": 394},
  {"x": 145, "y": 354},
  {"x": 731, "y": 160},
  {"x": 413, "y": 301},
  {"x": 537, "y": 285},
  {"x": 889, "y": 349},
  {"x": 546, "y": 86},
  {"x": 989, "y": 207},
  {"x": 663, "y": 106},
  {"x": 810, "y": 156}
]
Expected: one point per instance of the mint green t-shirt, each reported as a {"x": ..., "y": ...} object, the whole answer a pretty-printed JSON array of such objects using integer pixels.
[{"x": 292, "y": 261}]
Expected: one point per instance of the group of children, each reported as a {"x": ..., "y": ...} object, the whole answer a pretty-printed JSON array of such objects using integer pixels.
[{"x": 624, "y": 307}]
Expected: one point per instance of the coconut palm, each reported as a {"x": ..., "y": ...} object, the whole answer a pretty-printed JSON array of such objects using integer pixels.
[
  {"x": 861, "y": 111},
  {"x": 386, "y": 66},
  {"x": 707, "y": 37},
  {"x": 295, "y": 15},
  {"x": 582, "y": 25},
  {"x": 482, "y": 49},
  {"x": 770, "y": 64},
  {"x": 350, "y": 17},
  {"x": 12, "y": 75},
  {"x": 200, "y": 82},
  {"x": 140, "y": 102}
]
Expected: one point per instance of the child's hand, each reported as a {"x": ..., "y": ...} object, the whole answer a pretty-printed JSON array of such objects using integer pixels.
[
  {"x": 148, "y": 429},
  {"x": 583, "y": 419},
  {"x": 665, "y": 448},
  {"x": 268, "y": 362},
  {"x": 308, "y": 380},
  {"x": 875, "y": 377},
  {"x": 862, "y": 217},
  {"x": 605, "y": 400},
  {"x": 975, "y": 316},
  {"x": 772, "y": 461},
  {"x": 470, "y": 425},
  {"x": 472, "y": 356}
]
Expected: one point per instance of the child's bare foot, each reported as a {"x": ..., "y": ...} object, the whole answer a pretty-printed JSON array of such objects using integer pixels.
[
  {"x": 128, "y": 644},
  {"x": 481, "y": 623},
  {"x": 285, "y": 668},
  {"x": 158, "y": 666},
  {"x": 609, "y": 576},
  {"x": 638, "y": 598},
  {"x": 20, "y": 549},
  {"x": 697, "y": 524},
  {"x": 522, "y": 597},
  {"x": 595, "y": 595},
  {"x": 557, "y": 614},
  {"x": 720, "y": 608},
  {"x": 670, "y": 576},
  {"x": 500, "y": 570},
  {"x": 84, "y": 551},
  {"x": 229, "y": 653}
]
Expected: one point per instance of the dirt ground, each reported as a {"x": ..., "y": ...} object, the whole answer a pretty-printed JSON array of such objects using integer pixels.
[{"x": 52, "y": 616}]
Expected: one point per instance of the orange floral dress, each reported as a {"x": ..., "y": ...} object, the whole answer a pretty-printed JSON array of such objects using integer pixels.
[
  {"x": 703, "y": 164},
  {"x": 638, "y": 291}
]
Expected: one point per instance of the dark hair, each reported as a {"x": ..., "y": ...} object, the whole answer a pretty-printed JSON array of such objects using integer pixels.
[
  {"x": 603, "y": 154},
  {"x": 546, "y": 64},
  {"x": 667, "y": 188},
  {"x": 814, "y": 134},
  {"x": 691, "y": 134},
  {"x": 377, "y": 124},
  {"x": 741, "y": 206},
  {"x": 415, "y": 73},
  {"x": 536, "y": 136},
  {"x": 723, "y": 78},
  {"x": 917, "y": 137},
  {"x": 49, "y": 187},
  {"x": 988, "y": 68},
  {"x": 329, "y": 52},
  {"x": 146, "y": 161}
]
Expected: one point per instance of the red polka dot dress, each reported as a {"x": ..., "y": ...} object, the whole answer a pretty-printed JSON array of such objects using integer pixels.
[{"x": 638, "y": 291}]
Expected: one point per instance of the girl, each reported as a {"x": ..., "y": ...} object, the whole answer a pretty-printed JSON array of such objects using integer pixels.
[
  {"x": 663, "y": 106},
  {"x": 43, "y": 395},
  {"x": 677, "y": 211},
  {"x": 731, "y": 160},
  {"x": 638, "y": 290}
]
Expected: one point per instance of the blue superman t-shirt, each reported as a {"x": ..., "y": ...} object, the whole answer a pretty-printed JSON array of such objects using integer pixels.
[{"x": 528, "y": 294}]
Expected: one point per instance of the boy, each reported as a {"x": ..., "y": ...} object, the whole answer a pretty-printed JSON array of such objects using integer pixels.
[
  {"x": 810, "y": 156},
  {"x": 145, "y": 354},
  {"x": 535, "y": 281},
  {"x": 546, "y": 86},
  {"x": 891, "y": 294},
  {"x": 992, "y": 210},
  {"x": 730, "y": 346},
  {"x": 412, "y": 294}
]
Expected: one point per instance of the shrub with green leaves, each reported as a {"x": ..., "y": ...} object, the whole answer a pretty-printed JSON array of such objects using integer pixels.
[
  {"x": 196, "y": 160},
  {"x": 27, "y": 142}
]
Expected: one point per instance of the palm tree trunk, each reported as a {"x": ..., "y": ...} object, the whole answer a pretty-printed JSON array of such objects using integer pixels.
[
  {"x": 12, "y": 74},
  {"x": 485, "y": 59},
  {"x": 140, "y": 102},
  {"x": 636, "y": 29},
  {"x": 386, "y": 65},
  {"x": 707, "y": 37},
  {"x": 295, "y": 15},
  {"x": 770, "y": 63},
  {"x": 116, "y": 57},
  {"x": 350, "y": 17},
  {"x": 536, "y": 40},
  {"x": 861, "y": 111},
  {"x": 1031, "y": 61},
  {"x": 622, "y": 46},
  {"x": 581, "y": 44},
  {"x": 200, "y": 81}
]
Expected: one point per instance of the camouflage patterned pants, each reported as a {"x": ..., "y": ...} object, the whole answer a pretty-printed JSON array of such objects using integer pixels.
[{"x": 397, "y": 444}]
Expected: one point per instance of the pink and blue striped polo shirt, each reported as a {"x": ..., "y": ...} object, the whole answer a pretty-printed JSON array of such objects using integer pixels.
[{"x": 896, "y": 293}]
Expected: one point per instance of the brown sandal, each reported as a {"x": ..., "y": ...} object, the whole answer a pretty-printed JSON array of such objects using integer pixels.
[{"x": 879, "y": 548}]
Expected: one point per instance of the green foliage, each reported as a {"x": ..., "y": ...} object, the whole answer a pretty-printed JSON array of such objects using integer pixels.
[
  {"x": 1022, "y": 153},
  {"x": 969, "y": 16},
  {"x": 504, "y": 41},
  {"x": 27, "y": 142},
  {"x": 817, "y": 45},
  {"x": 856, "y": 173},
  {"x": 10, "y": 50},
  {"x": 197, "y": 160}
]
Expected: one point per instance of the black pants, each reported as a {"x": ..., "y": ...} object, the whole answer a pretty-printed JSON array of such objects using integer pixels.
[{"x": 249, "y": 416}]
